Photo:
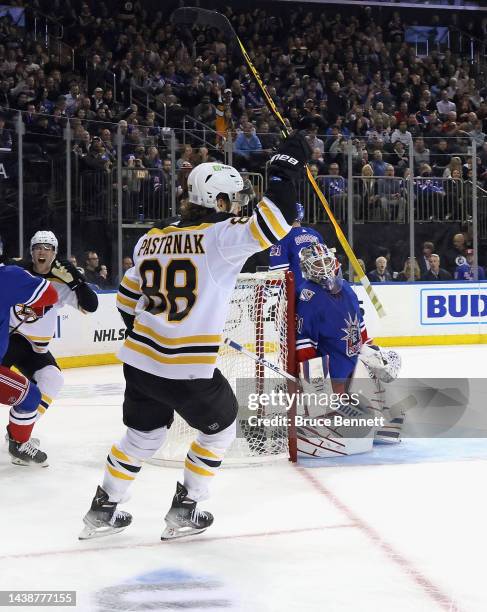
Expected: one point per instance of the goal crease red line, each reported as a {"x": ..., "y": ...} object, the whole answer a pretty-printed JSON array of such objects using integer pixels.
[{"x": 445, "y": 602}]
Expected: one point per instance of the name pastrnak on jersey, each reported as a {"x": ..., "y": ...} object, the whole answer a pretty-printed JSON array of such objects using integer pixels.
[
  {"x": 180, "y": 288},
  {"x": 40, "y": 332}
]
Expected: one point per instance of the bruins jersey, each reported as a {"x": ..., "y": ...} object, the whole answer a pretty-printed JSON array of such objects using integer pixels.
[
  {"x": 180, "y": 287},
  {"x": 40, "y": 332}
]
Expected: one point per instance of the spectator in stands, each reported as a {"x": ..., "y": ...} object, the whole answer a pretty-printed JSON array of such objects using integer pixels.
[
  {"x": 390, "y": 191},
  {"x": 269, "y": 140},
  {"x": 435, "y": 273},
  {"x": 186, "y": 156},
  {"x": 203, "y": 156},
  {"x": 444, "y": 105},
  {"x": 455, "y": 195},
  {"x": 399, "y": 158},
  {"x": 355, "y": 277},
  {"x": 379, "y": 166},
  {"x": 313, "y": 140},
  {"x": 335, "y": 190},
  {"x": 409, "y": 272},
  {"x": 456, "y": 254},
  {"x": 336, "y": 102},
  {"x": 468, "y": 271},
  {"x": 455, "y": 163},
  {"x": 205, "y": 111},
  {"x": 317, "y": 160},
  {"x": 127, "y": 263},
  {"x": 424, "y": 259},
  {"x": 476, "y": 133},
  {"x": 368, "y": 200},
  {"x": 247, "y": 145},
  {"x": 5, "y": 135},
  {"x": 381, "y": 274},
  {"x": 73, "y": 260},
  {"x": 430, "y": 195},
  {"x": 421, "y": 154},
  {"x": 402, "y": 134},
  {"x": 440, "y": 157},
  {"x": 92, "y": 267}
]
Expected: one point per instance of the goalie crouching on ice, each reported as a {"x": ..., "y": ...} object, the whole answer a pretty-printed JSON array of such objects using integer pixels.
[{"x": 336, "y": 356}]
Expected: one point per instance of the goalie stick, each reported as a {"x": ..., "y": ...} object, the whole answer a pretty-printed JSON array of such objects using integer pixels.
[
  {"x": 268, "y": 364},
  {"x": 191, "y": 16}
]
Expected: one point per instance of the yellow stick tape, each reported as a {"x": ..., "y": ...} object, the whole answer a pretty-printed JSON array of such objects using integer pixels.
[{"x": 340, "y": 235}]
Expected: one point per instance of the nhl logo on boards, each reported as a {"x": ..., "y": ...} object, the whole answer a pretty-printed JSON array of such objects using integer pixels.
[{"x": 352, "y": 336}]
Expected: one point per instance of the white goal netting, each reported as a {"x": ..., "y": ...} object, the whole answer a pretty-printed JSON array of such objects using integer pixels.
[{"x": 259, "y": 318}]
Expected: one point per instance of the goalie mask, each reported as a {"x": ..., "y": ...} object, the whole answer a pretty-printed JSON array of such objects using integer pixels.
[
  {"x": 319, "y": 264},
  {"x": 207, "y": 181}
]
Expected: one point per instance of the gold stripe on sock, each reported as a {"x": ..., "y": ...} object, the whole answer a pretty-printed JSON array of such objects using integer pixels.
[
  {"x": 196, "y": 448},
  {"x": 196, "y": 469},
  {"x": 117, "y": 474},
  {"x": 119, "y": 455}
]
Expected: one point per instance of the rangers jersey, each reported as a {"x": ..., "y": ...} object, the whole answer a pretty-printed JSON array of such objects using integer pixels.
[
  {"x": 285, "y": 254},
  {"x": 40, "y": 332},
  {"x": 18, "y": 287},
  {"x": 329, "y": 325},
  {"x": 180, "y": 287}
]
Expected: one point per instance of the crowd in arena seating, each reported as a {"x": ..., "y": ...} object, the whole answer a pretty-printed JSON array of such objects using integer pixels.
[{"x": 348, "y": 79}]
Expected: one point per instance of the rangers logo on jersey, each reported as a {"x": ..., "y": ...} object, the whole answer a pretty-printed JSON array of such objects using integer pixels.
[
  {"x": 352, "y": 337},
  {"x": 306, "y": 295}
]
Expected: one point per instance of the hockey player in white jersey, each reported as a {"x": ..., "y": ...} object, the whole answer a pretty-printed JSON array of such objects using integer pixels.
[
  {"x": 28, "y": 348},
  {"x": 174, "y": 302}
]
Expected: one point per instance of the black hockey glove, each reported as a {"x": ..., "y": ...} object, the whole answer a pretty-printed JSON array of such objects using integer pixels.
[
  {"x": 288, "y": 163},
  {"x": 68, "y": 273}
]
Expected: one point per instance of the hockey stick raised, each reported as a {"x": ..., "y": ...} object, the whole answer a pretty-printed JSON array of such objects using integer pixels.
[
  {"x": 268, "y": 364},
  {"x": 212, "y": 19}
]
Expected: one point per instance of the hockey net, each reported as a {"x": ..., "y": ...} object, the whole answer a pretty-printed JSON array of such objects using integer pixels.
[{"x": 260, "y": 318}]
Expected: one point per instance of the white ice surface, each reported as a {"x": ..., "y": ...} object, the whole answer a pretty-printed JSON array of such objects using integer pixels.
[{"x": 406, "y": 537}]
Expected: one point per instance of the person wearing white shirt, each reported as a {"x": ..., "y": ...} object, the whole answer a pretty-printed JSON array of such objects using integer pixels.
[
  {"x": 402, "y": 134},
  {"x": 444, "y": 105}
]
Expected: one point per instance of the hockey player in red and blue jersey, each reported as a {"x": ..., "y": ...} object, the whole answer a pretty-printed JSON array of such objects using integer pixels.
[
  {"x": 284, "y": 255},
  {"x": 329, "y": 322},
  {"x": 20, "y": 287}
]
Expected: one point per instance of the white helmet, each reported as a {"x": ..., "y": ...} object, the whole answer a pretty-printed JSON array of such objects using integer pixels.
[
  {"x": 44, "y": 237},
  {"x": 207, "y": 180}
]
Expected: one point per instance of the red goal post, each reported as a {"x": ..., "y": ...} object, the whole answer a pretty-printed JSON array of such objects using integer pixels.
[{"x": 261, "y": 317}]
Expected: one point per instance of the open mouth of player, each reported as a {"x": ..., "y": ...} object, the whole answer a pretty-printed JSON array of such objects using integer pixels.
[{"x": 41, "y": 260}]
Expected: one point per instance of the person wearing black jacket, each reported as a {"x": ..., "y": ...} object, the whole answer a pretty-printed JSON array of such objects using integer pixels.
[{"x": 435, "y": 273}]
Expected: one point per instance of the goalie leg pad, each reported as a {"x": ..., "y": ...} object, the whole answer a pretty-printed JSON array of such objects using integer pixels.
[{"x": 320, "y": 408}]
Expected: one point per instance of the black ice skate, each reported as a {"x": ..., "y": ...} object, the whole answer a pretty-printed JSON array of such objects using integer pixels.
[
  {"x": 183, "y": 518},
  {"x": 102, "y": 518},
  {"x": 26, "y": 453},
  {"x": 34, "y": 441}
]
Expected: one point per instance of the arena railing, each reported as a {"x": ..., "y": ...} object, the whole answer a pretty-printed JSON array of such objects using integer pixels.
[{"x": 51, "y": 181}]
